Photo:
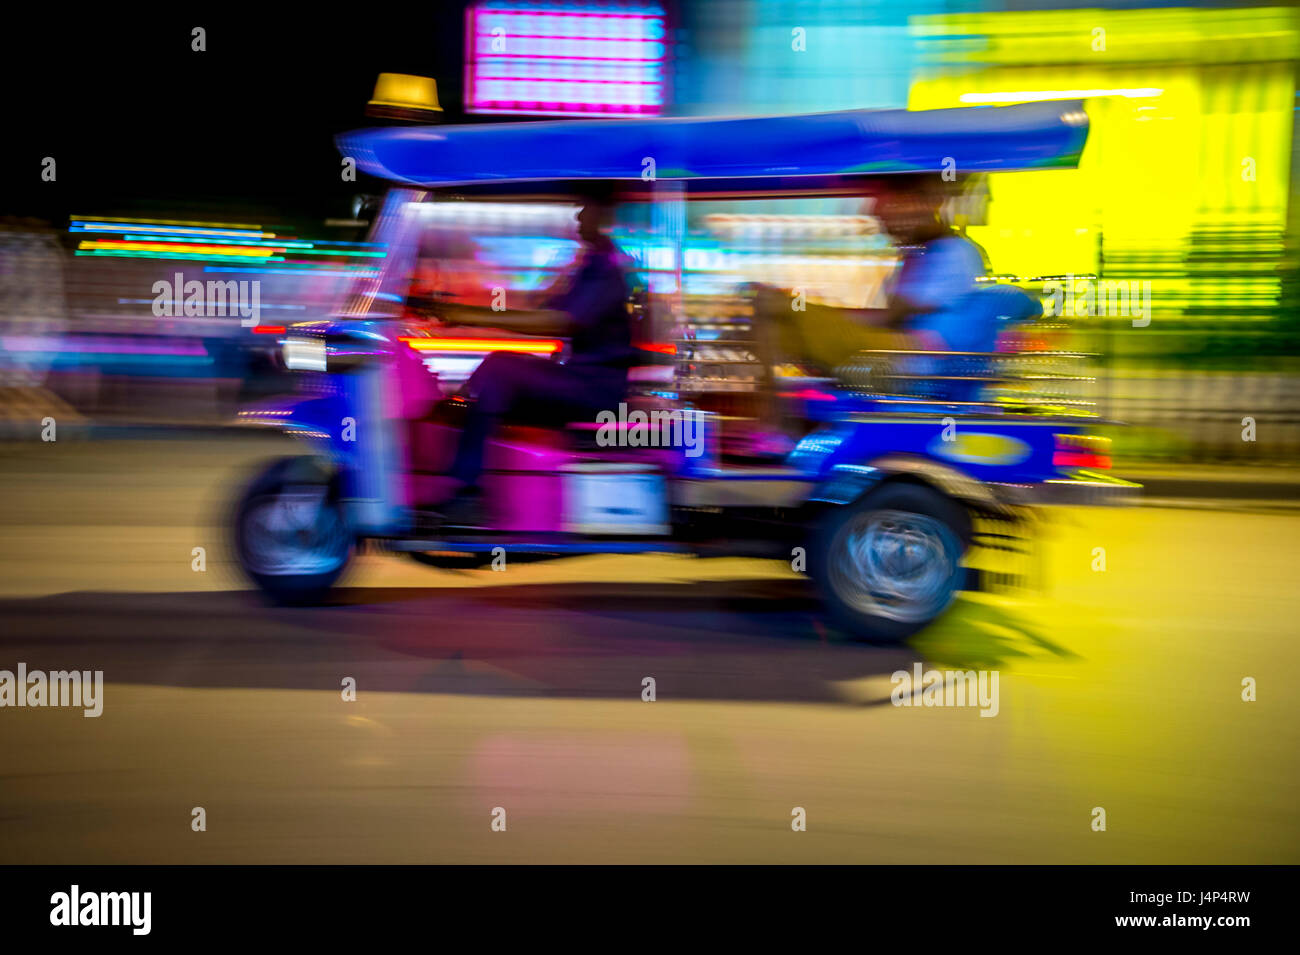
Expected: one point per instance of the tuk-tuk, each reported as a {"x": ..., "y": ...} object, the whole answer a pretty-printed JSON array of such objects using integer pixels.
[{"x": 879, "y": 501}]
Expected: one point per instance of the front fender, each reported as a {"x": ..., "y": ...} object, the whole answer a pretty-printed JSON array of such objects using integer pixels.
[
  {"x": 299, "y": 469},
  {"x": 313, "y": 417},
  {"x": 848, "y": 482}
]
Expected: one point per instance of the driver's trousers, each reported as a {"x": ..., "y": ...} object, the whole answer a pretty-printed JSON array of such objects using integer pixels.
[{"x": 529, "y": 389}]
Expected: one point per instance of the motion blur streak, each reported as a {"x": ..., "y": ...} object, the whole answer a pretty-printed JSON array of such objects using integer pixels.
[{"x": 1146, "y": 653}]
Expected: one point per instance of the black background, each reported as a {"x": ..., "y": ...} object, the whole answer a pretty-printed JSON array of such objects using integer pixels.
[
  {"x": 140, "y": 124},
  {"x": 895, "y": 908}
]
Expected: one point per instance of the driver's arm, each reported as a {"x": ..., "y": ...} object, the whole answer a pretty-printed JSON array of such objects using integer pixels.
[
  {"x": 893, "y": 316},
  {"x": 597, "y": 292},
  {"x": 526, "y": 322}
]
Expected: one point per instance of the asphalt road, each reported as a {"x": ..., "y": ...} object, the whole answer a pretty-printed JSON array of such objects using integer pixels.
[{"x": 522, "y": 689}]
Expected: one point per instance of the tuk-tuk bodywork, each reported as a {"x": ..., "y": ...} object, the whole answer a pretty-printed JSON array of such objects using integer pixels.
[{"x": 367, "y": 407}]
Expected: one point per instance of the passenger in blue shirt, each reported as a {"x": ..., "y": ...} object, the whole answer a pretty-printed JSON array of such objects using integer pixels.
[
  {"x": 933, "y": 302},
  {"x": 935, "y": 296},
  {"x": 931, "y": 293}
]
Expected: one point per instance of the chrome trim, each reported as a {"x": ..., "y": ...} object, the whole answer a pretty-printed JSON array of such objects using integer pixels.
[
  {"x": 949, "y": 480},
  {"x": 1080, "y": 488},
  {"x": 755, "y": 492}
]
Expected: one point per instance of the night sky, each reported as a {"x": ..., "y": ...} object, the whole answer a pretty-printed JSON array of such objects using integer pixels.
[{"x": 139, "y": 124}]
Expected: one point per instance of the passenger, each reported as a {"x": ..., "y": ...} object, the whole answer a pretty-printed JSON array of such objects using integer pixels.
[
  {"x": 591, "y": 309},
  {"x": 934, "y": 301},
  {"x": 939, "y": 272},
  {"x": 925, "y": 298}
]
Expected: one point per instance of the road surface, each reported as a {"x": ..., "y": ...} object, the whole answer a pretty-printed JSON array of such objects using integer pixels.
[{"x": 521, "y": 690}]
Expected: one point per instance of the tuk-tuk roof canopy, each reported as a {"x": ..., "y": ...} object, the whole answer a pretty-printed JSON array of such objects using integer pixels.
[{"x": 729, "y": 151}]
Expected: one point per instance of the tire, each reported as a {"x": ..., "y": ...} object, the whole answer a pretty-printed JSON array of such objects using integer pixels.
[
  {"x": 291, "y": 535},
  {"x": 889, "y": 564}
]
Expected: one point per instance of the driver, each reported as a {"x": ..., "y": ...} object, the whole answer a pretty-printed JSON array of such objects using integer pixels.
[{"x": 590, "y": 308}]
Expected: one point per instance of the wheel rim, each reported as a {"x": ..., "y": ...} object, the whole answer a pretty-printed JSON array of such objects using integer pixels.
[
  {"x": 895, "y": 564},
  {"x": 296, "y": 531}
]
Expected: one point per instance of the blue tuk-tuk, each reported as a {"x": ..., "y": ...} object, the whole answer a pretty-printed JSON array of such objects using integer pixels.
[{"x": 880, "y": 498}]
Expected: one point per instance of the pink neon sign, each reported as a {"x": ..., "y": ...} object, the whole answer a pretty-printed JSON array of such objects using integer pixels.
[{"x": 570, "y": 59}]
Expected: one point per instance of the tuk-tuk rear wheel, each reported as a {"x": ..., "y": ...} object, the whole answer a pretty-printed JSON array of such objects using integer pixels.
[{"x": 890, "y": 563}]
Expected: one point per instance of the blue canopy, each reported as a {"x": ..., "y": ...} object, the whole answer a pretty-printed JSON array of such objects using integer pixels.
[{"x": 849, "y": 143}]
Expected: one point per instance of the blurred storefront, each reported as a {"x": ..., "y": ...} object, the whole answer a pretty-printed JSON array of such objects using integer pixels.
[{"x": 1187, "y": 182}]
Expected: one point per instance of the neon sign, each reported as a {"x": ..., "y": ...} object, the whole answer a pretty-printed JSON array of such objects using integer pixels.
[{"x": 573, "y": 59}]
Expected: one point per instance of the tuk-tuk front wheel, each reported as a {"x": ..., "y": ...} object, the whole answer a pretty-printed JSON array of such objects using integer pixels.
[
  {"x": 889, "y": 564},
  {"x": 291, "y": 536}
]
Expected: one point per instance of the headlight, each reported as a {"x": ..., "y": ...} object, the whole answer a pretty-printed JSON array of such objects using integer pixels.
[{"x": 304, "y": 354}]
